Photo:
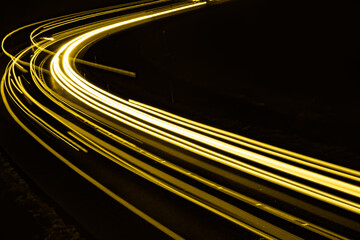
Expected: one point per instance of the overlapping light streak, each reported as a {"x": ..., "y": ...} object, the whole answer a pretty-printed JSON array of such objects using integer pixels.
[
  {"x": 228, "y": 149},
  {"x": 116, "y": 107}
]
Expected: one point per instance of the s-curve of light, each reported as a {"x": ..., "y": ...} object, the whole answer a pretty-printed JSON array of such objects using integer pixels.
[{"x": 179, "y": 137}]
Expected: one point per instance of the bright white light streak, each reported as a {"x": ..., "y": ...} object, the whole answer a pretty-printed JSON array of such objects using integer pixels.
[
  {"x": 247, "y": 142},
  {"x": 78, "y": 82},
  {"x": 74, "y": 83}
]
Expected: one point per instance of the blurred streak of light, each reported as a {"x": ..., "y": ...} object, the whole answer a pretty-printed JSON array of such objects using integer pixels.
[
  {"x": 218, "y": 187},
  {"x": 189, "y": 135},
  {"x": 86, "y": 176},
  {"x": 247, "y": 142},
  {"x": 107, "y": 104}
]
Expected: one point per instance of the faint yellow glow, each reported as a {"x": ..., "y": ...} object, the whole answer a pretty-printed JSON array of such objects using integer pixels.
[{"x": 48, "y": 38}]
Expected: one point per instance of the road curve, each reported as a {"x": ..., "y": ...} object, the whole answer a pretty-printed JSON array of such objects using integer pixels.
[{"x": 45, "y": 93}]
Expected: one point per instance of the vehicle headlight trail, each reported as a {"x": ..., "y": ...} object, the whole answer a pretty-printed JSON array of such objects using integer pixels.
[{"x": 134, "y": 125}]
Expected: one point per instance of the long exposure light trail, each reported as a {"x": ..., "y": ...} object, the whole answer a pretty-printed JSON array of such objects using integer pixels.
[{"x": 51, "y": 74}]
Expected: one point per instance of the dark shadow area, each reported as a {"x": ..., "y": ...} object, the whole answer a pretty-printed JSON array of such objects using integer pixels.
[{"x": 26, "y": 213}]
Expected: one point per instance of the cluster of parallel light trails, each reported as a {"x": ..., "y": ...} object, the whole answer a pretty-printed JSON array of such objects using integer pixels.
[{"x": 52, "y": 71}]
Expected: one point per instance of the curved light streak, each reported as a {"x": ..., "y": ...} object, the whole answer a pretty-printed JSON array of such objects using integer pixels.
[
  {"x": 215, "y": 144},
  {"x": 89, "y": 94}
]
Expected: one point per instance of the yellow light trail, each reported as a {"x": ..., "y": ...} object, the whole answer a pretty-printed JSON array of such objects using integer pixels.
[
  {"x": 202, "y": 140},
  {"x": 92, "y": 95},
  {"x": 247, "y": 142}
]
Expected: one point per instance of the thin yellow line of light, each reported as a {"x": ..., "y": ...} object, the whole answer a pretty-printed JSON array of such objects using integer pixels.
[
  {"x": 299, "y": 172},
  {"x": 351, "y": 206},
  {"x": 84, "y": 175},
  {"x": 339, "y": 170},
  {"x": 69, "y": 49}
]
